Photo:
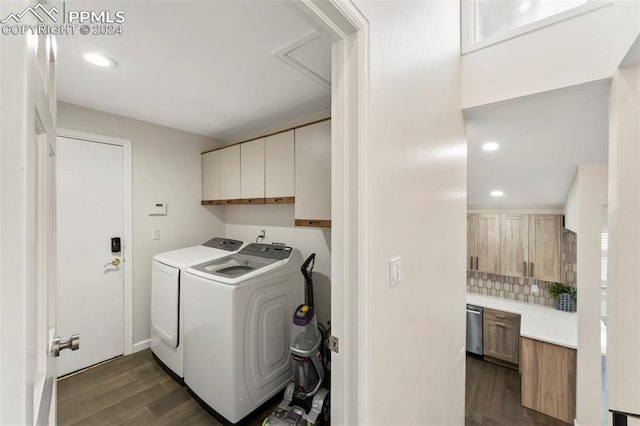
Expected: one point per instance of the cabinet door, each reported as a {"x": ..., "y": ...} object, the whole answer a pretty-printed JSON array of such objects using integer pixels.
[
  {"x": 487, "y": 243},
  {"x": 230, "y": 174},
  {"x": 514, "y": 244},
  {"x": 252, "y": 172},
  {"x": 279, "y": 155},
  {"x": 501, "y": 340},
  {"x": 313, "y": 174},
  {"x": 470, "y": 242},
  {"x": 545, "y": 236},
  {"x": 211, "y": 176},
  {"x": 549, "y": 379}
]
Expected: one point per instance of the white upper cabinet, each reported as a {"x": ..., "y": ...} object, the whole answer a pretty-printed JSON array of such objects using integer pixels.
[
  {"x": 211, "y": 176},
  {"x": 252, "y": 172},
  {"x": 279, "y": 151},
  {"x": 230, "y": 174},
  {"x": 313, "y": 174}
]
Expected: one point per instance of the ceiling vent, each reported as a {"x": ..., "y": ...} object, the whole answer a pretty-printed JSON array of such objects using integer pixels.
[{"x": 312, "y": 57}]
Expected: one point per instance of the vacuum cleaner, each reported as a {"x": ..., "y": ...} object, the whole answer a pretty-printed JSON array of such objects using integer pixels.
[{"x": 305, "y": 401}]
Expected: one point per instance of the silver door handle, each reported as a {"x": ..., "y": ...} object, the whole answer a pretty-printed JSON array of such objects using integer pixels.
[{"x": 73, "y": 343}]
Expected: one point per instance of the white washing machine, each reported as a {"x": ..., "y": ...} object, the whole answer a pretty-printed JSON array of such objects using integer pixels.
[
  {"x": 167, "y": 315},
  {"x": 237, "y": 324}
]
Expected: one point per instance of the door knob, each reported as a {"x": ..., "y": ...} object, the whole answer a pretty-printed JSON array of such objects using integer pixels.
[
  {"x": 73, "y": 343},
  {"x": 114, "y": 262}
]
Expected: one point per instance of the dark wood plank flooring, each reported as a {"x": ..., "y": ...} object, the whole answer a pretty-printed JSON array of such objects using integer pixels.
[
  {"x": 134, "y": 390},
  {"x": 493, "y": 397},
  {"x": 131, "y": 390}
]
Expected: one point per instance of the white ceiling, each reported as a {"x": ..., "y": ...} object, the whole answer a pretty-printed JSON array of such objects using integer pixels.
[
  {"x": 204, "y": 67},
  {"x": 543, "y": 138}
]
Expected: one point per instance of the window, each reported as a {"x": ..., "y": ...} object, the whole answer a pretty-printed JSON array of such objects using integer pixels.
[{"x": 485, "y": 22}]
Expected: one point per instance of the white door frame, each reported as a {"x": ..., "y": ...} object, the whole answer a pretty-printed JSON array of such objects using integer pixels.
[
  {"x": 348, "y": 30},
  {"x": 127, "y": 237}
]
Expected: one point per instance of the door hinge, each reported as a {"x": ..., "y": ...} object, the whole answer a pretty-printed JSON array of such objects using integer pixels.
[{"x": 334, "y": 344}]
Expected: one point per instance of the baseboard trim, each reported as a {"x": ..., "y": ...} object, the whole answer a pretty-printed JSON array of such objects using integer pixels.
[{"x": 141, "y": 345}]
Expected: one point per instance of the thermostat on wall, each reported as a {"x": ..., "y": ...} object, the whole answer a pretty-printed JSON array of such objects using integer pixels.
[{"x": 157, "y": 209}]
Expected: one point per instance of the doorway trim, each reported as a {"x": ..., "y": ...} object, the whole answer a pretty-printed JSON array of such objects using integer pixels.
[
  {"x": 127, "y": 254},
  {"x": 348, "y": 30}
]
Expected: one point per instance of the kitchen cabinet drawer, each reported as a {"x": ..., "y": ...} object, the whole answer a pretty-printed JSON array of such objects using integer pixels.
[{"x": 501, "y": 316}]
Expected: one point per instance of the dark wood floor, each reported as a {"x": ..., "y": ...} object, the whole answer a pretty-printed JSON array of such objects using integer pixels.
[
  {"x": 134, "y": 390},
  {"x": 493, "y": 397},
  {"x": 131, "y": 390}
]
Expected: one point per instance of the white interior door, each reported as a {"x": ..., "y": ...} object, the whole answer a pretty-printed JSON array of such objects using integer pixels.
[{"x": 90, "y": 212}]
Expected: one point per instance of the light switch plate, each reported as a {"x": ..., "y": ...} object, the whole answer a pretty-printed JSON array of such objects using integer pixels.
[
  {"x": 395, "y": 272},
  {"x": 534, "y": 288}
]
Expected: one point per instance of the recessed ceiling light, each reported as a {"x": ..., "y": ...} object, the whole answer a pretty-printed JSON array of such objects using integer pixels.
[
  {"x": 525, "y": 6},
  {"x": 497, "y": 193},
  {"x": 100, "y": 60},
  {"x": 491, "y": 146}
]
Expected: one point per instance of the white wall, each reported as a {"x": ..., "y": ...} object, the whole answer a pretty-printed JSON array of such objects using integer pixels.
[
  {"x": 623, "y": 291},
  {"x": 418, "y": 212},
  {"x": 245, "y": 222},
  {"x": 571, "y": 206},
  {"x": 165, "y": 167},
  {"x": 591, "y": 197},
  {"x": 584, "y": 48}
]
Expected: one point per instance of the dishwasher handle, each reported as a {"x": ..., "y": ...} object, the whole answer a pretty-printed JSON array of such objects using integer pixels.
[{"x": 469, "y": 311}]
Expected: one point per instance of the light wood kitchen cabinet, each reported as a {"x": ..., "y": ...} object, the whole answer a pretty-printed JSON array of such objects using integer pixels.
[
  {"x": 549, "y": 379},
  {"x": 252, "y": 172},
  {"x": 279, "y": 151},
  {"x": 545, "y": 241},
  {"x": 313, "y": 175},
  {"x": 211, "y": 178},
  {"x": 530, "y": 246},
  {"x": 485, "y": 252},
  {"x": 501, "y": 337},
  {"x": 230, "y": 175},
  {"x": 514, "y": 245}
]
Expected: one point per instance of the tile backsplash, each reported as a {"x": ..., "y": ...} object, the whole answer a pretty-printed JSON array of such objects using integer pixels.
[{"x": 515, "y": 288}]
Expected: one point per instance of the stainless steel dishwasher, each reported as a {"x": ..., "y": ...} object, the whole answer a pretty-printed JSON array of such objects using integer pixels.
[{"x": 474, "y": 329}]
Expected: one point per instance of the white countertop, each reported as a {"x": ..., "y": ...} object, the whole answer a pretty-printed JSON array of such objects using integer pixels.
[{"x": 536, "y": 321}]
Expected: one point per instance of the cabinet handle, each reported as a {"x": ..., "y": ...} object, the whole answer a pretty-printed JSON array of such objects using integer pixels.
[
  {"x": 476, "y": 263},
  {"x": 471, "y": 263},
  {"x": 531, "y": 270},
  {"x": 500, "y": 324},
  {"x": 500, "y": 316},
  {"x": 524, "y": 264}
]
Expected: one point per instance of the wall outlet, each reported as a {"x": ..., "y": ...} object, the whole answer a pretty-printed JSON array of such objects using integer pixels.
[
  {"x": 534, "y": 288},
  {"x": 395, "y": 274},
  {"x": 155, "y": 233}
]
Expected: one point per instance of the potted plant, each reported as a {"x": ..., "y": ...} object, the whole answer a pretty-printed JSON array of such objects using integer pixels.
[{"x": 565, "y": 296}]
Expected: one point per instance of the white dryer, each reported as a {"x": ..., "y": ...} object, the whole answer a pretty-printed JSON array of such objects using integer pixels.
[
  {"x": 167, "y": 315},
  {"x": 238, "y": 312}
]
